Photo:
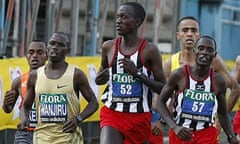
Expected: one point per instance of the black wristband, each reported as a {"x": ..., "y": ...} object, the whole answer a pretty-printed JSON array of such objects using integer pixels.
[
  {"x": 162, "y": 120},
  {"x": 230, "y": 137},
  {"x": 79, "y": 119},
  {"x": 139, "y": 74}
]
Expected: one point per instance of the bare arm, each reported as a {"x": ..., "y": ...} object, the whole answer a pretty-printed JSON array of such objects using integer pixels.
[
  {"x": 12, "y": 95},
  {"x": 154, "y": 61},
  {"x": 222, "y": 110},
  {"x": 103, "y": 74},
  {"x": 220, "y": 67},
  {"x": 175, "y": 82},
  {"x": 159, "y": 104},
  {"x": 156, "y": 126},
  {"x": 167, "y": 66},
  {"x": 81, "y": 84}
]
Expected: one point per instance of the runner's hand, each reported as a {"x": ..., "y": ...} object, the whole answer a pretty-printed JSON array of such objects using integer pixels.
[
  {"x": 128, "y": 65},
  {"x": 183, "y": 133},
  {"x": 233, "y": 140},
  {"x": 23, "y": 125},
  {"x": 157, "y": 128},
  {"x": 9, "y": 100},
  {"x": 102, "y": 77},
  {"x": 70, "y": 125}
]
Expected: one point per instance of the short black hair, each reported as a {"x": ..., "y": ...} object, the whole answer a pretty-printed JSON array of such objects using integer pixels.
[
  {"x": 187, "y": 18},
  {"x": 207, "y": 37},
  {"x": 139, "y": 11},
  {"x": 38, "y": 40},
  {"x": 68, "y": 37}
]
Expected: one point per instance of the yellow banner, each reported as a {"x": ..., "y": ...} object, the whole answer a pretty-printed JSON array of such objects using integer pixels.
[{"x": 11, "y": 68}]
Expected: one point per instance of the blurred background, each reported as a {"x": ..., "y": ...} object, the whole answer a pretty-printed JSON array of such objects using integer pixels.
[{"x": 91, "y": 22}]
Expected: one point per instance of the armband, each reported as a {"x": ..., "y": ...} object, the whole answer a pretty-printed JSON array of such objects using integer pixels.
[
  {"x": 139, "y": 74},
  {"x": 230, "y": 137},
  {"x": 79, "y": 120},
  {"x": 162, "y": 121}
]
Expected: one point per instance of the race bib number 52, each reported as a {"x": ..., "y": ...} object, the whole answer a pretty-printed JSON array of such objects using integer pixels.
[{"x": 125, "y": 85}]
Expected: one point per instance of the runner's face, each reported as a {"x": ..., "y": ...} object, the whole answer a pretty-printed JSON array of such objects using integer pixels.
[
  {"x": 36, "y": 54},
  {"x": 205, "y": 51},
  {"x": 58, "y": 47},
  {"x": 188, "y": 33},
  {"x": 125, "y": 22}
]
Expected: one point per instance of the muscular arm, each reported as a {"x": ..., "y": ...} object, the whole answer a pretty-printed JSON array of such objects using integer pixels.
[
  {"x": 12, "y": 95},
  {"x": 160, "y": 105},
  {"x": 175, "y": 82},
  {"x": 153, "y": 59},
  {"x": 103, "y": 74},
  {"x": 81, "y": 84},
  {"x": 220, "y": 88},
  {"x": 220, "y": 67}
]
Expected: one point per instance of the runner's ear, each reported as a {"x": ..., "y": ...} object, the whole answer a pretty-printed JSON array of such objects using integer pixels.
[{"x": 137, "y": 22}]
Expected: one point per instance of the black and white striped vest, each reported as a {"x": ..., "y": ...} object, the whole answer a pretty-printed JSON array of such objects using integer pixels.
[
  {"x": 126, "y": 93},
  {"x": 196, "y": 105}
]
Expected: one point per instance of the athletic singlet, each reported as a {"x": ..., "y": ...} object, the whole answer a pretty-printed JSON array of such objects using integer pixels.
[
  {"x": 126, "y": 93},
  {"x": 56, "y": 102},
  {"x": 196, "y": 104},
  {"x": 32, "y": 114},
  {"x": 175, "y": 62}
]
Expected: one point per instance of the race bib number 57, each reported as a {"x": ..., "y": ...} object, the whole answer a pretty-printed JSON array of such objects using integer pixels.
[{"x": 198, "y": 105}]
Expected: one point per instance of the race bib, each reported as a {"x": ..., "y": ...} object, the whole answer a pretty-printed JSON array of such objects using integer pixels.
[
  {"x": 33, "y": 116},
  {"x": 125, "y": 85},
  {"x": 198, "y": 105},
  {"x": 53, "y": 107},
  {"x": 126, "y": 88}
]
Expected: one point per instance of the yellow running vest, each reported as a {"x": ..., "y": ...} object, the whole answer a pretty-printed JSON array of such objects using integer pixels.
[
  {"x": 56, "y": 103},
  {"x": 175, "y": 62}
]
